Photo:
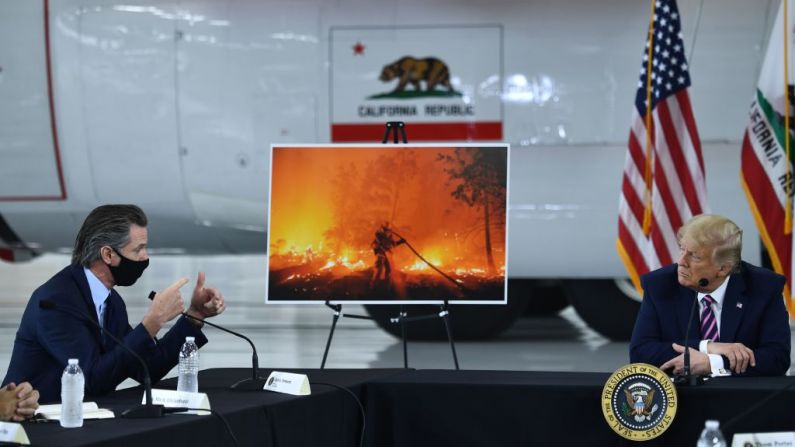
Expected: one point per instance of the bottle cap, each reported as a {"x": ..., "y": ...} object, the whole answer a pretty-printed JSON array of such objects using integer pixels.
[
  {"x": 190, "y": 339},
  {"x": 73, "y": 361},
  {"x": 712, "y": 424}
]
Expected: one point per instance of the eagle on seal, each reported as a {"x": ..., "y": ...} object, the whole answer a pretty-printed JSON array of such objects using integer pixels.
[{"x": 640, "y": 405}]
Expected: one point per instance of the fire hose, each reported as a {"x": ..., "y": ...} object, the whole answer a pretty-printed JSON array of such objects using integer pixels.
[{"x": 446, "y": 276}]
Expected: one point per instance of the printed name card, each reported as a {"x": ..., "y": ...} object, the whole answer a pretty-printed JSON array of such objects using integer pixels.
[
  {"x": 13, "y": 433},
  {"x": 288, "y": 383},
  {"x": 176, "y": 399},
  {"x": 772, "y": 439}
]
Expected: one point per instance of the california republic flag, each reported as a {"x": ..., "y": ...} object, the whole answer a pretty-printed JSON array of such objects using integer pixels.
[
  {"x": 766, "y": 172},
  {"x": 444, "y": 82}
]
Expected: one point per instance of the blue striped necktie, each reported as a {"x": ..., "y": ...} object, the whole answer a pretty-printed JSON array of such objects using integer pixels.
[
  {"x": 103, "y": 319},
  {"x": 709, "y": 325}
]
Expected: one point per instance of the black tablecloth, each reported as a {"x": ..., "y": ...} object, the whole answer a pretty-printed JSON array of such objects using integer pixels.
[
  {"x": 328, "y": 417},
  {"x": 419, "y": 408},
  {"x": 505, "y": 408}
]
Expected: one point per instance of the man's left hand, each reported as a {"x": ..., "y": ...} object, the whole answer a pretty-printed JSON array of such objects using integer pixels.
[
  {"x": 699, "y": 362},
  {"x": 740, "y": 356},
  {"x": 206, "y": 301}
]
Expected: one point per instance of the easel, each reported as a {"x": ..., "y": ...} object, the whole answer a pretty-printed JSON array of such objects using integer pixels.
[{"x": 393, "y": 127}]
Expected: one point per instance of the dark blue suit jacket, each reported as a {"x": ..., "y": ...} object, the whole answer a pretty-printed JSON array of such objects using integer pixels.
[
  {"x": 753, "y": 314},
  {"x": 46, "y": 339}
]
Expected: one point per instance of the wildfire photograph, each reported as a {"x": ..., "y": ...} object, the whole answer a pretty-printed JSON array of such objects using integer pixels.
[{"x": 388, "y": 223}]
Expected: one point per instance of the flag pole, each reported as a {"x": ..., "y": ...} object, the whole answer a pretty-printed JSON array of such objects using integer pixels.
[
  {"x": 788, "y": 182},
  {"x": 648, "y": 165}
]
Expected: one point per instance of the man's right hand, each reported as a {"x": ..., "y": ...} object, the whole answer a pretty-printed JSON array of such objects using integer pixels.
[
  {"x": 699, "y": 362},
  {"x": 166, "y": 305}
]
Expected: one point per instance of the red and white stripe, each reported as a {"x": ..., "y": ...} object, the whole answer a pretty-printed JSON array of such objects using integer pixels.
[{"x": 678, "y": 185}]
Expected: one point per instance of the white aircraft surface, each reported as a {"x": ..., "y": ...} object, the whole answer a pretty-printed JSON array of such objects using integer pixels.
[{"x": 174, "y": 105}]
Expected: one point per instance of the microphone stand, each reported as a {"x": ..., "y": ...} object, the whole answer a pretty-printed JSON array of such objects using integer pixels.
[
  {"x": 255, "y": 383},
  {"x": 148, "y": 409},
  {"x": 251, "y": 384},
  {"x": 686, "y": 378}
]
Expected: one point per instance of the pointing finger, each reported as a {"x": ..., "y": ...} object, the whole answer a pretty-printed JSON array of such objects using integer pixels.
[
  {"x": 200, "y": 280},
  {"x": 178, "y": 284}
]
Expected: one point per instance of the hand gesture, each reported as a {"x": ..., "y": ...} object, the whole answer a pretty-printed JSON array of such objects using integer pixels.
[
  {"x": 206, "y": 301},
  {"x": 166, "y": 305}
]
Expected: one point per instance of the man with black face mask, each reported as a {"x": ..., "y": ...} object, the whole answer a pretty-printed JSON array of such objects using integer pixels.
[{"x": 110, "y": 250}]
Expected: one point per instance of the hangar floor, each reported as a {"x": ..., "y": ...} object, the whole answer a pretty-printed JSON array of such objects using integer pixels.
[{"x": 294, "y": 336}]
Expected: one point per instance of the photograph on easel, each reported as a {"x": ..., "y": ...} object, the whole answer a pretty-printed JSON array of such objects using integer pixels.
[{"x": 409, "y": 223}]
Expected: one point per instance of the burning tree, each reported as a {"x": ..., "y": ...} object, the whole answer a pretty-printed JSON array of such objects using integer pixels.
[{"x": 480, "y": 177}]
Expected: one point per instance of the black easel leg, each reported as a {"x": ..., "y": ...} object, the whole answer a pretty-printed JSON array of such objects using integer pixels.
[
  {"x": 336, "y": 317},
  {"x": 403, "y": 336},
  {"x": 447, "y": 320}
]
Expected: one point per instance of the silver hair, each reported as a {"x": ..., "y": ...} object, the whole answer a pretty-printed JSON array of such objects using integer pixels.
[{"x": 718, "y": 232}]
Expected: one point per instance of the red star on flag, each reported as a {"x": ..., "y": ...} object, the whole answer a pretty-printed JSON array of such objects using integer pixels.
[{"x": 358, "y": 49}]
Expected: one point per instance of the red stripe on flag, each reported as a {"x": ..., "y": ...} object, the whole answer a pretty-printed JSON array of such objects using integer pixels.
[
  {"x": 678, "y": 157},
  {"x": 473, "y": 131},
  {"x": 637, "y": 154},
  {"x": 660, "y": 246},
  {"x": 633, "y": 201},
  {"x": 631, "y": 248},
  {"x": 687, "y": 112},
  {"x": 661, "y": 180}
]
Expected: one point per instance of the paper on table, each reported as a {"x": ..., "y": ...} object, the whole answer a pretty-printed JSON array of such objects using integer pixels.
[{"x": 90, "y": 411}]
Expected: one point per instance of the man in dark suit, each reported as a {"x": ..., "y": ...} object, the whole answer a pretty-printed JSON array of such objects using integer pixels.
[
  {"x": 110, "y": 250},
  {"x": 741, "y": 325}
]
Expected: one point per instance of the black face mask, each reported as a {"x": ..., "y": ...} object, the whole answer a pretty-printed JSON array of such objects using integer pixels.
[{"x": 128, "y": 271}]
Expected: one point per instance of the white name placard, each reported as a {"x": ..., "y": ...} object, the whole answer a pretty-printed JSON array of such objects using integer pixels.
[
  {"x": 175, "y": 399},
  {"x": 288, "y": 383},
  {"x": 14, "y": 433},
  {"x": 772, "y": 439}
]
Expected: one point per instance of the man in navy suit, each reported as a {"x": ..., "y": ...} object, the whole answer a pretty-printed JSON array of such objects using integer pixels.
[
  {"x": 110, "y": 250},
  {"x": 741, "y": 326}
]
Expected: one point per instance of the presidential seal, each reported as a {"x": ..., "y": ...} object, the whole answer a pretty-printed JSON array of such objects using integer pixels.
[{"x": 639, "y": 402}]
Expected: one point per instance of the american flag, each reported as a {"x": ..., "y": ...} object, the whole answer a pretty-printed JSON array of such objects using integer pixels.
[{"x": 664, "y": 179}]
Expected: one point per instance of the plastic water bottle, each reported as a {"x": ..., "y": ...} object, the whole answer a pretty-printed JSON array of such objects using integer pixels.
[
  {"x": 72, "y": 388},
  {"x": 711, "y": 436},
  {"x": 188, "y": 367}
]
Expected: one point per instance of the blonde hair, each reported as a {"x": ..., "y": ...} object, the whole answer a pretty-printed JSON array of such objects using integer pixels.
[{"x": 718, "y": 232}]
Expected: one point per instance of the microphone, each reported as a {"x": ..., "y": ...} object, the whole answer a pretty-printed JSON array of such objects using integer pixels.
[
  {"x": 147, "y": 410},
  {"x": 686, "y": 378},
  {"x": 255, "y": 382}
]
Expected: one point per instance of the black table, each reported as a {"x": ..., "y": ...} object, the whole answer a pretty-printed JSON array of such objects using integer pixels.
[
  {"x": 507, "y": 408},
  {"x": 328, "y": 417},
  {"x": 418, "y": 408}
]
